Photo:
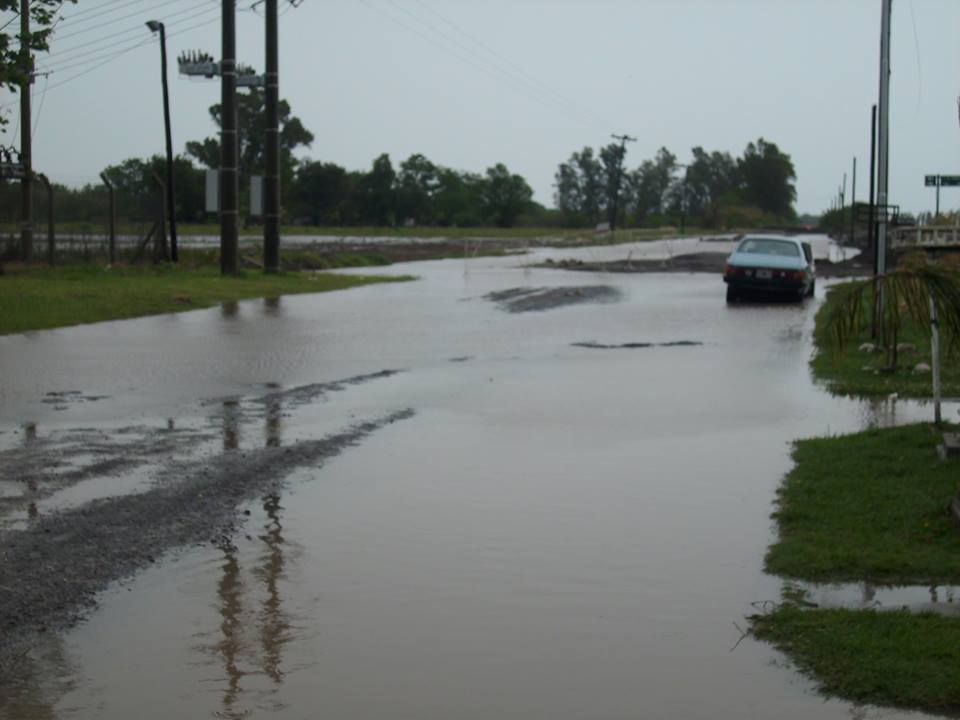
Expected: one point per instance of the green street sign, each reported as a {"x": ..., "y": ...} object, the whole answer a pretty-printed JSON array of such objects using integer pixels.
[{"x": 945, "y": 180}]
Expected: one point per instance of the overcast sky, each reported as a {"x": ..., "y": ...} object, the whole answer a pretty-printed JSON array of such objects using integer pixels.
[{"x": 470, "y": 83}]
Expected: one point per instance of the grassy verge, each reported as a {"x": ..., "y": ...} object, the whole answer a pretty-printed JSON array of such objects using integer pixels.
[
  {"x": 853, "y": 372},
  {"x": 888, "y": 658},
  {"x": 871, "y": 506},
  {"x": 34, "y": 298}
]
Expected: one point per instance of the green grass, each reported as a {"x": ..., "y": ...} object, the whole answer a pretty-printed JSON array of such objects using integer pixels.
[
  {"x": 886, "y": 658},
  {"x": 870, "y": 506},
  {"x": 852, "y": 372},
  {"x": 33, "y": 298}
]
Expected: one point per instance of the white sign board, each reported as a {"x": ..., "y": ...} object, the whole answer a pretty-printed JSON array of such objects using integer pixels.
[
  {"x": 212, "y": 192},
  {"x": 256, "y": 195}
]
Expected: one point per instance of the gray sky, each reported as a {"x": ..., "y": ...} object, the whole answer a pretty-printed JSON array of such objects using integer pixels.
[{"x": 470, "y": 83}]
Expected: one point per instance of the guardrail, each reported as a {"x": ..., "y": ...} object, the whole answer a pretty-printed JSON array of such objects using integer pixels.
[{"x": 930, "y": 236}]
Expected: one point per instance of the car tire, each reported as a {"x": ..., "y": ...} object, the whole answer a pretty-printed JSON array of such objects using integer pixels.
[
  {"x": 732, "y": 295},
  {"x": 813, "y": 289}
]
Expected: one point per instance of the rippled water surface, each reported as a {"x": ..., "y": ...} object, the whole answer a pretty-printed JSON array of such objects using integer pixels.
[{"x": 559, "y": 532}]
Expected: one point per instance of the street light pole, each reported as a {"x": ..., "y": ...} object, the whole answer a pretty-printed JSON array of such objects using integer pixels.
[
  {"x": 157, "y": 26},
  {"x": 271, "y": 176}
]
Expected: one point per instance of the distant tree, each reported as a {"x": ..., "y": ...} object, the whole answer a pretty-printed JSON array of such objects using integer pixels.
[
  {"x": 321, "y": 192},
  {"x": 252, "y": 136},
  {"x": 709, "y": 177},
  {"x": 375, "y": 196},
  {"x": 137, "y": 193},
  {"x": 417, "y": 182},
  {"x": 768, "y": 176},
  {"x": 505, "y": 195},
  {"x": 458, "y": 199},
  {"x": 580, "y": 188},
  {"x": 612, "y": 157},
  {"x": 649, "y": 185}
]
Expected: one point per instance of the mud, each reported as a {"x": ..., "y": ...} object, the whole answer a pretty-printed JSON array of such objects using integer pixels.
[
  {"x": 518, "y": 300},
  {"x": 702, "y": 262},
  {"x": 635, "y": 345},
  {"x": 52, "y": 569}
]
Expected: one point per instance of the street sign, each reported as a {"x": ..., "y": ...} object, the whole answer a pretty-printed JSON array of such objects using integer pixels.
[{"x": 945, "y": 180}]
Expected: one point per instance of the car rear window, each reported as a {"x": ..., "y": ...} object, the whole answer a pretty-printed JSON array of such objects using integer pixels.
[{"x": 762, "y": 246}]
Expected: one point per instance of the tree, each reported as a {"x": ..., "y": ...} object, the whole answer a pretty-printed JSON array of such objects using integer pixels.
[
  {"x": 137, "y": 191},
  {"x": 376, "y": 201},
  {"x": 504, "y": 195},
  {"x": 42, "y": 12},
  {"x": 612, "y": 157},
  {"x": 709, "y": 177},
  {"x": 417, "y": 182},
  {"x": 458, "y": 199},
  {"x": 252, "y": 137},
  {"x": 321, "y": 192},
  {"x": 768, "y": 176},
  {"x": 649, "y": 184},
  {"x": 580, "y": 188}
]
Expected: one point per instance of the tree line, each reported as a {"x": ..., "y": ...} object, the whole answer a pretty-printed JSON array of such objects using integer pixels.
[{"x": 712, "y": 190}]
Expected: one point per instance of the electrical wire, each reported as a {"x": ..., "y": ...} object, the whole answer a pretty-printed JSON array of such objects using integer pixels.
[
  {"x": 498, "y": 57},
  {"x": 497, "y": 74},
  {"x": 74, "y": 59},
  {"x": 120, "y": 53},
  {"x": 138, "y": 14}
]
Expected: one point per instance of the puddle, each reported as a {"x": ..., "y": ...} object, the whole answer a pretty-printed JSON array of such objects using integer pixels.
[{"x": 942, "y": 599}]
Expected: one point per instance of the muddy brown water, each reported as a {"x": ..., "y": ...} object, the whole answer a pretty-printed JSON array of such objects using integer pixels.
[{"x": 558, "y": 531}]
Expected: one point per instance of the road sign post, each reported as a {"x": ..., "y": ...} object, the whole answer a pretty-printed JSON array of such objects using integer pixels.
[{"x": 939, "y": 181}]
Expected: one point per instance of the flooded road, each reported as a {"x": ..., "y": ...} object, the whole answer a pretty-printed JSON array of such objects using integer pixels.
[{"x": 571, "y": 523}]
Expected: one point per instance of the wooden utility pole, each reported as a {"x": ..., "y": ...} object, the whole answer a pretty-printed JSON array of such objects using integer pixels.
[
  {"x": 271, "y": 175},
  {"x": 229, "y": 187},
  {"x": 26, "y": 141},
  {"x": 624, "y": 139}
]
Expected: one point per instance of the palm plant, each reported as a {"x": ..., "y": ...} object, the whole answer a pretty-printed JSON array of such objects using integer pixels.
[{"x": 921, "y": 292}]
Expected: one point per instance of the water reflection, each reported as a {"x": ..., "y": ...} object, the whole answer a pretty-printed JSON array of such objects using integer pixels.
[
  {"x": 271, "y": 306},
  {"x": 231, "y": 424},
  {"x": 229, "y": 310},
  {"x": 230, "y": 595},
  {"x": 254, "y": 626},
  {"x": 273, "y": 422},
  {"x": 275, "y": 625}
]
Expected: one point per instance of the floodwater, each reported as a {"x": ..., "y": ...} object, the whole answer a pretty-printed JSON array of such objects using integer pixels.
[{"x": 559, "y": 531}]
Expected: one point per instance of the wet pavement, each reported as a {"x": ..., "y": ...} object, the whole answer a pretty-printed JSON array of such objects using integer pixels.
[{"x": 570, "y": 521}]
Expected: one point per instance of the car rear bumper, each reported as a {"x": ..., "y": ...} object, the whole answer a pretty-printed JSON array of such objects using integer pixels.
[{"x": 771, "y": 285}]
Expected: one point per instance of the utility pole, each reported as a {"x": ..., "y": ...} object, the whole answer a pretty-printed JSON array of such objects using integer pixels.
[
  {"x": 883, "y": 151},
  {"x": 853, "y": 203},
  {"x": 872, "y": 228},
  {"x": 157, "y": 26},
  {"x": 229, "y": 188},
  {"x": 26, "y": 141},
  {"x": 271, "y": 175},
  {"x": 624, "y": 139}
]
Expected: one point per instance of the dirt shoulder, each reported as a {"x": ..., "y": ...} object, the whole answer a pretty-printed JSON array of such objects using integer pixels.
[{"x": 703, "y": 262}]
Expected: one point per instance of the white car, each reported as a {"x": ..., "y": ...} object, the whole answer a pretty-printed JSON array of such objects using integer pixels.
[{"x": 770, "y": 265}]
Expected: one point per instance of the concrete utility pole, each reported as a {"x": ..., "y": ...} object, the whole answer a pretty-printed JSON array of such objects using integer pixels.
[
  {"x": 26, "y": 141},
  {"x": 883, "y": 150},
  {"x": 624, "y": 139},
  {"x": 157, "y": 26},
  {"x": 229, "y": 183},
  {"x": 271, "y": 175},
  {"x": 853, "y": 202}
]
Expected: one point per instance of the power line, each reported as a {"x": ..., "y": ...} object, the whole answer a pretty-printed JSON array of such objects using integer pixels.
[
  {"x": 115, "y": 55},
  {"x": 138, "y": 14},
  {"x": 74, "y": 59},
  {"x": 495, "y": 73}
]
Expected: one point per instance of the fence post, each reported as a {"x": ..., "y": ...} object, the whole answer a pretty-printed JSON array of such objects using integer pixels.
[
  {"x": 160, "y": 244},
  {"x": 51, "y": 232},
  {"x": 112, "y": 221}
]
